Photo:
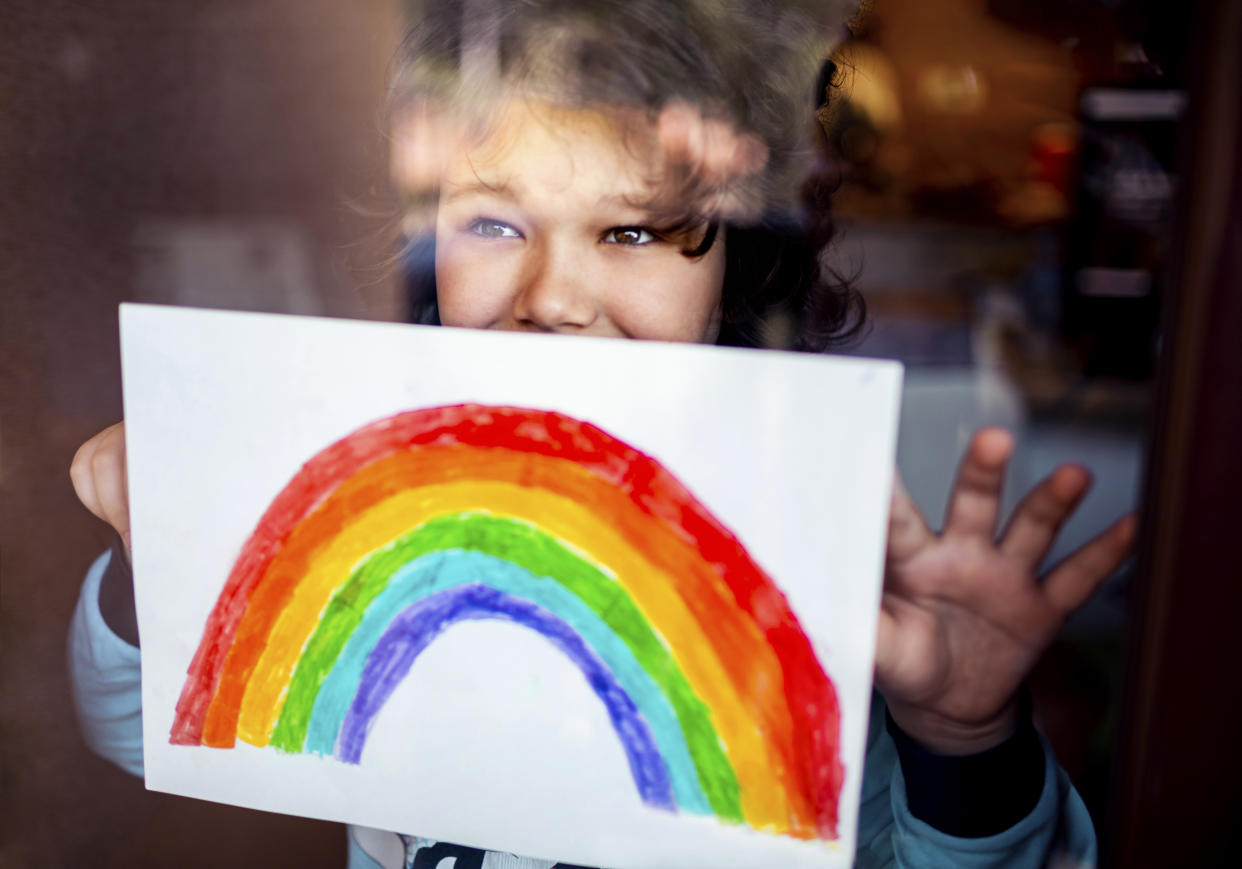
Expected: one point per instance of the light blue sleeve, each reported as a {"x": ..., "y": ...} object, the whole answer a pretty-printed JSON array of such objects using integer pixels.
[
  {"x": 374, "y": 849},
  {"x": 1058, "y": 830},
  {"x": 106, "y": 677}
]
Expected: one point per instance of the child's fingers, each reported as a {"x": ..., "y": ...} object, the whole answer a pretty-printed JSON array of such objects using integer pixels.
[
  {"x": 728, "y": 155},
  {"x": 424, "y": 138},
  {"x": 82, "y": 477},
  {"x": 887, "y": 641},
  {"x": 713, "y": 164},
  {"x": 1043, "y": 511},
  {"x": 716, "y": 157},
  {"x": 907, "y": 529},
  {"x": 905, "y": 665},
  {"x": 750, "y": 155},
  {"x": 713, "y": 150},
  {"x": 99, "y": 478},
  {"x": 112, "y": 486},
  {"x": 974, "y": 503},
  {"x": 678, "y": 129},
  {"x": 1075, "y": 579}
]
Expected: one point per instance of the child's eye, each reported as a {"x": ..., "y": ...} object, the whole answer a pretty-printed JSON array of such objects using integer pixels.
[
  {"x": 634, "y": 235},
  {"x": 488, "y": 228}
]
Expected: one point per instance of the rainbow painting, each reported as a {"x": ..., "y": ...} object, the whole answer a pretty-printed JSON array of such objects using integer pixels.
[{"x": 418, "y": 521}]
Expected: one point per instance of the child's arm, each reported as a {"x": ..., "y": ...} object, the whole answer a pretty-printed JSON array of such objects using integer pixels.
[
  {"x": 1053, "y": 828},
  {"x": 104, "y": 662},
  {"x": 106, "y": 671}
]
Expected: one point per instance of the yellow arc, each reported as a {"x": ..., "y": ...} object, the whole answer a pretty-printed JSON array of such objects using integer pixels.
[{"x": 763, "y": 800}]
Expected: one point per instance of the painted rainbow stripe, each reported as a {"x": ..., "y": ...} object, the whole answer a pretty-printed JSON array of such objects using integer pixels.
[{"x": 415, "y": 522}]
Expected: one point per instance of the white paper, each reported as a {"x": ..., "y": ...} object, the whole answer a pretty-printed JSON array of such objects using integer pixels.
[{"x": 494, "y": 739}]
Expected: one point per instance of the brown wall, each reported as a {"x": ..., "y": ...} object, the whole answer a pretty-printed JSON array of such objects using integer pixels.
[{"x": 209, "y": 117}]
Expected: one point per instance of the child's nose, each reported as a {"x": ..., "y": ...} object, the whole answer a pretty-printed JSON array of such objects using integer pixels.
[{"x": 556, "y": 294}]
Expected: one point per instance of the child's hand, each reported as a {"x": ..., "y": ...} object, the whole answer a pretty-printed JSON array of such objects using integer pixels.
[
  {"x": 964, "y": 616},
  {"x": 98, "y": 474},
  {"x": 425, "y": 139},
  {"x": 719, "y": 160}
]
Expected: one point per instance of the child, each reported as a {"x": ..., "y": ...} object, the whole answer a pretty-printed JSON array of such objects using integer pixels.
[{"x": 634, "y": 169}]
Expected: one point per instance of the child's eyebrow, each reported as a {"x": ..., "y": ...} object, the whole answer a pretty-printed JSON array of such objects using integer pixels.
[
  {"x": 475, "y": 188},
  {"x": 466, "y": 189}
]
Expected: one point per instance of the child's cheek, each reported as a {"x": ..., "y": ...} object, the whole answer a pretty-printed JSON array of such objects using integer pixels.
[
  {"x": 473, "y": 287},
  {"x": 668, "y": 297}
]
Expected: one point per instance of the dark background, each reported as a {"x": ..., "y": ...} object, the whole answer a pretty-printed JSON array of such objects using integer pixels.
[{"x": 255, "y": 121}]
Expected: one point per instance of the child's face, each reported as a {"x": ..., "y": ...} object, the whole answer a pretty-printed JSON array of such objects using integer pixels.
[{"x": 540, "y": 227}]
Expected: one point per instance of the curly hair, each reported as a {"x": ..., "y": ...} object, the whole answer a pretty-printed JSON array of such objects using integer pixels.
[{"x": 749, "y": 63}]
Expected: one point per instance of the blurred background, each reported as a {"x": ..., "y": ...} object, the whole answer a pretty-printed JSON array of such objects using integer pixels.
[
  {"x": 1039, "y": 201},
  {"x": 1008, "y": 176}
]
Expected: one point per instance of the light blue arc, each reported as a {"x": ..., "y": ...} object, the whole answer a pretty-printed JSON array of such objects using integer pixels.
[{"x": 439, "y": 571}]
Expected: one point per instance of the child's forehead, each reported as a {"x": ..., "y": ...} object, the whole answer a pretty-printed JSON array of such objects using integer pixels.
[
  {"x": 529, "y": 142},
  {"x": 513, "y": 123}
]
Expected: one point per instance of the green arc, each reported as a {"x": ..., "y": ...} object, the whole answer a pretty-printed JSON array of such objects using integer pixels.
[{"x": 543, "y": 556}]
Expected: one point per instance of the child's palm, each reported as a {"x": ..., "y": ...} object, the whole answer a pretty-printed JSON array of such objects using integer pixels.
[{"x": 965, "y": 616}]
